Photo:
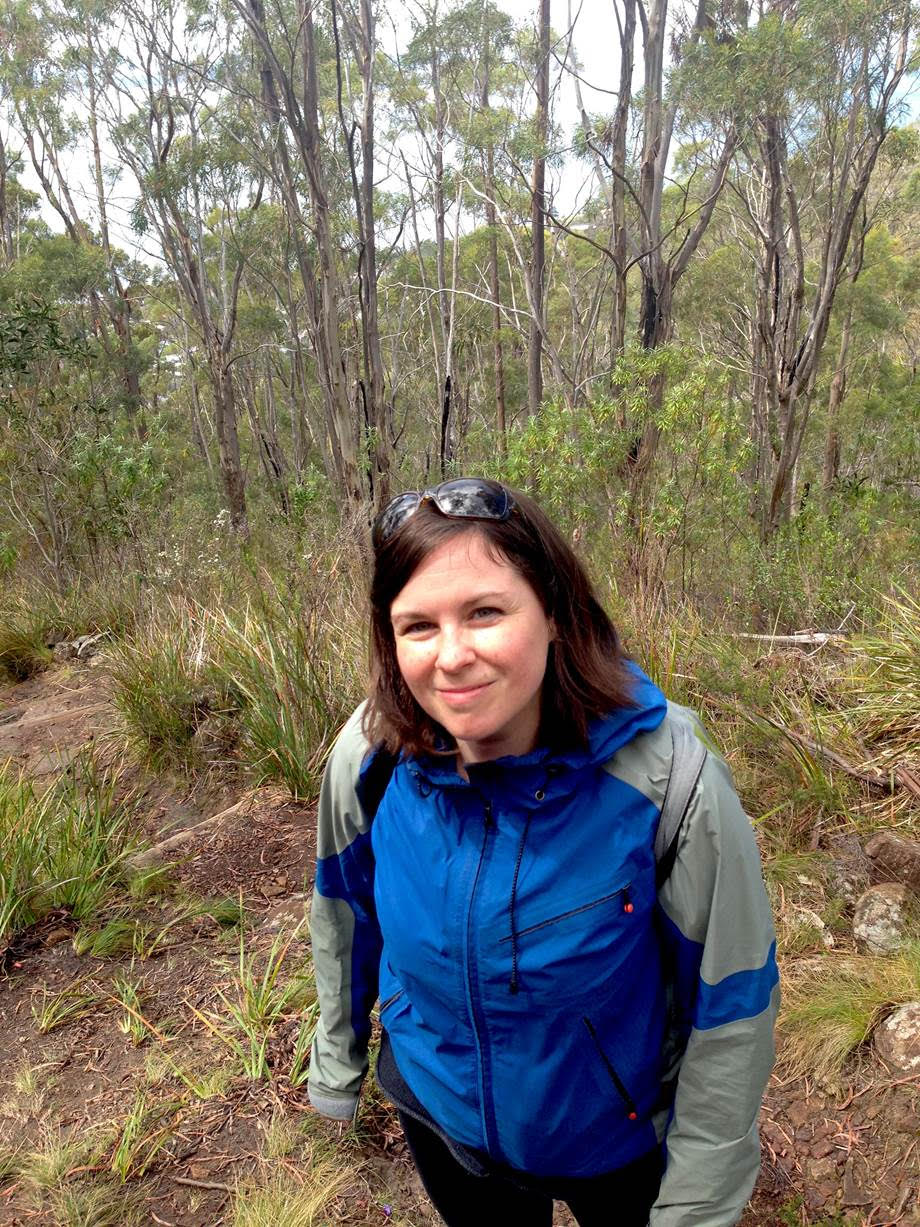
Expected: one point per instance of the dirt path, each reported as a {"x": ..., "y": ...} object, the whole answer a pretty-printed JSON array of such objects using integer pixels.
[{"x": 850, "y": 1158}]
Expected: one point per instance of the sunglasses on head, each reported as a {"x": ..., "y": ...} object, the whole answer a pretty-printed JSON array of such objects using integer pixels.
[{"x": 463, "y": 498}]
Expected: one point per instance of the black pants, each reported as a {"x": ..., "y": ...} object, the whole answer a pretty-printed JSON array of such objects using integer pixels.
[{"x": 618, "y": 1199}]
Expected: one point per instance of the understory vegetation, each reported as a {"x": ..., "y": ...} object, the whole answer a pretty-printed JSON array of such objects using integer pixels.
[{"x": 227, "y": 672}]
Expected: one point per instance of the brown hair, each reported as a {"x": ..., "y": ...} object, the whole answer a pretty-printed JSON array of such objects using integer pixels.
[{"x": 586, "y": 673}]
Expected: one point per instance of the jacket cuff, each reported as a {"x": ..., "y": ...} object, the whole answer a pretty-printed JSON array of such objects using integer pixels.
[{"x": 336, "y": 1107}]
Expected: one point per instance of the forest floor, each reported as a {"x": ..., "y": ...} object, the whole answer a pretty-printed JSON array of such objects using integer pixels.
[{"x": 168, "y": 1128}]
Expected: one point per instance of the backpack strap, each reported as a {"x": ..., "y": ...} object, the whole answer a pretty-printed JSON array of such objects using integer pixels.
[
  {"x": 375, "y": 776},
  {"x": 687, "y": 760}
]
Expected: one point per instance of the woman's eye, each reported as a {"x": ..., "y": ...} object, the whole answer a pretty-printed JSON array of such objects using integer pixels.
[
  {"x": 484, "y": 612},
  {"x": 415, "y": 628}
]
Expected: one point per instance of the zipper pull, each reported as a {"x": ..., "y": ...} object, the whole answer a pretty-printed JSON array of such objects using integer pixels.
[{"x": 487, "y": 814}]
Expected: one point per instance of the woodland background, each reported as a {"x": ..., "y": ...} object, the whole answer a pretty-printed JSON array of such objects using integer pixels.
[{"x": 359, "y": 281}]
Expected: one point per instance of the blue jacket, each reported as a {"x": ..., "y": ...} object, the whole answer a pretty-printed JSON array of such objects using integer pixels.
[{"x": 542, "y": 1002}]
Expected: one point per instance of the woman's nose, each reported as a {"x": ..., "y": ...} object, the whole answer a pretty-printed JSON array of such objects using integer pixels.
[{"x": 454, "y": 650}]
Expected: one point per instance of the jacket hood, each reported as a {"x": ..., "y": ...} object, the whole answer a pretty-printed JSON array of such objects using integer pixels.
[
  {"x": 611, "y": 732},
  {"x": 606, "y": 735}
]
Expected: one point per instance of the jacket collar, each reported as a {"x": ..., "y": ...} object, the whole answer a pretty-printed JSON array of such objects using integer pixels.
[{"x": 521, "y": 779}]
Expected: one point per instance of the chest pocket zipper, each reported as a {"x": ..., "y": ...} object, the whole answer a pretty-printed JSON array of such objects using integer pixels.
[
  {"x": 629, "y": 1102},
  {"x": 385, "y": 1005},
  {"x": 575, "y": 911}
]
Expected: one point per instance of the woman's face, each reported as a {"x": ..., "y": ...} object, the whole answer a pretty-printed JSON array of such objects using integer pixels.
[{"x": 471, "y": 643}]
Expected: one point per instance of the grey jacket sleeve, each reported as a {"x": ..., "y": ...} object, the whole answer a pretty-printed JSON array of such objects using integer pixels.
[
  {"x": 717, "y": 923},
  {"x": 344, "y": 931},
  {"x": 720, "y": 952}
]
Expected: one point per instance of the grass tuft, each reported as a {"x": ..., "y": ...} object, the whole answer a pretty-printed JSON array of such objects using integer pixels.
[
  {"x": 61, "y": 849},
  {"x": 146, "y": 1130},
  {"x": 885, "y": 683},
  {"x": 74, "y": 1001},
  {"x": 283, "y": 1201},
  {"x": 99, "y": 1204},
  {"x": 831, "y": 1005},
  {"x": 163, "y": 684},
  {"x": 295, "y": 671}
]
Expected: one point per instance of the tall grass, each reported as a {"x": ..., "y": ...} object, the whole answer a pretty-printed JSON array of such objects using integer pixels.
[
  {"x": 295, "y": 669},
  {"x": 164, "y": 683},
  {"x": 35, "y": 615},
  {"x": 282, "y": 667},
  {"x": 885, "y": 683},
  {"x": 62, "y": 848}
]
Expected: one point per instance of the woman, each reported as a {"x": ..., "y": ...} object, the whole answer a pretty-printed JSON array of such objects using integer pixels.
[{"x": 557, "y": 1023}]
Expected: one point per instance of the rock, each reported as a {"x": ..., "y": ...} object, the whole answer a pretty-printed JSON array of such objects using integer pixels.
[
  {"x": 897, "y": 1039},
  {"x": 63, "y": 651},
  {"x": 805, "y": 918},
  {"x": 847, "y": 880},
  {"x": 895, "y": 859},
  {"x": 286, "y": 916},
  {"x": 853, "y": 1192},
  {"x": 881, "y": 917},
  {"x": 11, "y": 715},
  {"x": 821, "y": 1171},
  {"x": 216, "y": 737}
]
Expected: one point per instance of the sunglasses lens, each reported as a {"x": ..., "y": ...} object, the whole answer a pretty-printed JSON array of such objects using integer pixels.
[
  {"x": 472, "y": 498},
  {"x": 393, "y": 515},
  {"x": 464, "y": 498}
]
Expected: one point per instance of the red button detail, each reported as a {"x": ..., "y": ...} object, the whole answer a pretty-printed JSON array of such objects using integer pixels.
[
  {"x": 628, "y": 907},
  {"x": 633, "y": 1116}
]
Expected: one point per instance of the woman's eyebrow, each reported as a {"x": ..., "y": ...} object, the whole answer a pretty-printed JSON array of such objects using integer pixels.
[{"x": 480, "y": 598}]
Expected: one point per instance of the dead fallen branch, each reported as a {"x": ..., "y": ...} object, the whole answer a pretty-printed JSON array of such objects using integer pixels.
[
  {"x": 880, "y": 783},
  {"x": 803, "y": 639},
  {"x": 202, "y": 1184},
  {"x": 161, "y": 851}
]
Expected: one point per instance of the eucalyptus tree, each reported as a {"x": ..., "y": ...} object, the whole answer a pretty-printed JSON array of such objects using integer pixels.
[
  {"x": 309, "y": 135},
  {"x": 458, "y": 97},
  {"x": 814, "y": 87},
  {"x": 195, "y": 192},
  {"x": 48, "y": 69}
]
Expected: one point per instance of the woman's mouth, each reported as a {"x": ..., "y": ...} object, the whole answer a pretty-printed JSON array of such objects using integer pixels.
[{"x": 459, "y": 695}]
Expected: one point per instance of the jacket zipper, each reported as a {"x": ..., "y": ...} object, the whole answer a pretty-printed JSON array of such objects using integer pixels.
[
  {"x": 490, "y": 1129},
  {"x": 585, "y": 907},
  {"x": 631, "y": 1110},
  {"x": 384, "y": 1005}
]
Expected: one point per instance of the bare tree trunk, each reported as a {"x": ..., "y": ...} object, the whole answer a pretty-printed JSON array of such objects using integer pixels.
[
  {"x": 618, "y": 180},
  {"x": 119, "y": 300},
  {"x": 538, "y": 217},
  {"x": 6, "y": 221},
  {"x": 494, "y": 283},
  {"x": 379, "y": 427},
  {"x": 303, "y": 123},
  {"x": 835, "y": 400}
]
